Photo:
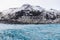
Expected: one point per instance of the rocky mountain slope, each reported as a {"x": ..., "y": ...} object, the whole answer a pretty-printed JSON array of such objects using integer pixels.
[{"x": 30, "y": 14}]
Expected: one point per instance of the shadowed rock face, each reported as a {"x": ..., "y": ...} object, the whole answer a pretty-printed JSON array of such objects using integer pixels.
[{"x": 30, "y": 14}]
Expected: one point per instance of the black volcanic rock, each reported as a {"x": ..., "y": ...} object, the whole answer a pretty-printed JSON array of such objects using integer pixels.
[{"x": 30, "y": 14}]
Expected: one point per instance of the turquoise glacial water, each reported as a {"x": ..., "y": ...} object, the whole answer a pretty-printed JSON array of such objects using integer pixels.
[{"x": 29, "y": 32}]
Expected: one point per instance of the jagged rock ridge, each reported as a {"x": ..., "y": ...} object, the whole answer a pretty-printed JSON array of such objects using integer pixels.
[{"x": 30, "y": 14}]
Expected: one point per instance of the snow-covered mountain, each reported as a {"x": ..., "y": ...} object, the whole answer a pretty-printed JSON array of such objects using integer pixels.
[
  {"x": 31, "y": 14},
  {"x": 24, "y": 7}
]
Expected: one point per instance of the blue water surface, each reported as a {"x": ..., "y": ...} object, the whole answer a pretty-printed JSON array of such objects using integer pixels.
[{"x": 29, "y": 31}]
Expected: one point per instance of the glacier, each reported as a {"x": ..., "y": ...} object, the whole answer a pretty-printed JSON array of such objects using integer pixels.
[{"x": 30, "y": 32}]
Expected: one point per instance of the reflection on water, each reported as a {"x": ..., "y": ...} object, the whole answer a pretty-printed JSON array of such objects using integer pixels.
[{"x": 30, "y": 32}]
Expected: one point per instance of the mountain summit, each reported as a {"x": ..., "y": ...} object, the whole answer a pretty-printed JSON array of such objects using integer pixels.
[{"x": 30, "y": 14}]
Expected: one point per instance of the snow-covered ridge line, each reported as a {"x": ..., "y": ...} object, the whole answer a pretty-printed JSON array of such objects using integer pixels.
[{"x": 30, "y": 14}]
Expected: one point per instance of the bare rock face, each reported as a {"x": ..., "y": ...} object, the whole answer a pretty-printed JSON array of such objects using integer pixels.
[{"x": 30, "y": 14}]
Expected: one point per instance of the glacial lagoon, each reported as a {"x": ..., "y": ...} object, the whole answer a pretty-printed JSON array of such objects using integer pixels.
[{"x": 29, "y": 31}]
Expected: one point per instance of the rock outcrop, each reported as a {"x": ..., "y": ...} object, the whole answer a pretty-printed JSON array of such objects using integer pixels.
[{"x": 30, "y": 14}]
